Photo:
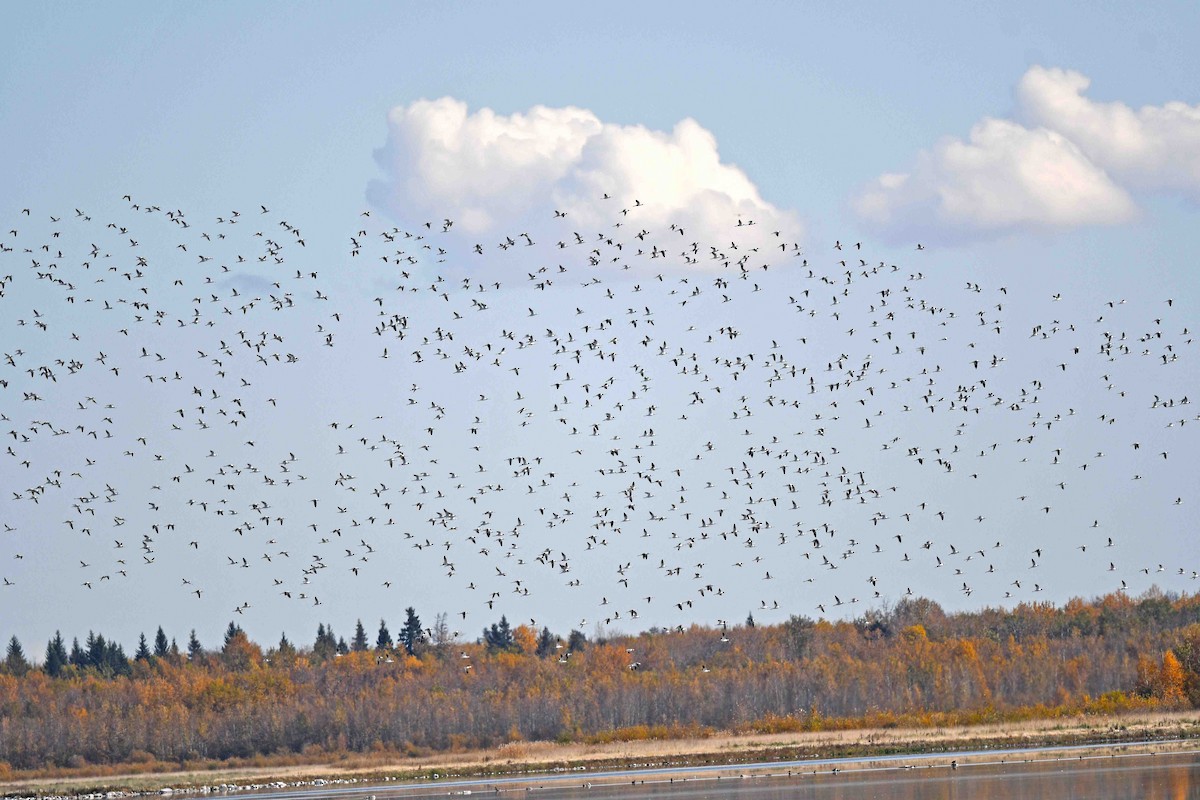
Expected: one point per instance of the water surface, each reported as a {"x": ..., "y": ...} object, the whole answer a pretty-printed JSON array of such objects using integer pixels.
[{"x": 1115, "y": 777}]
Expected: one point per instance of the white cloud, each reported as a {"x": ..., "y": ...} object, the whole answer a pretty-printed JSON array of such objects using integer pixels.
[
  {"x": 1004, "y": 176},
  {"x": 489, "y": 171},
  {"x": 1068, "y": 161},
  {"x": 1152, "y": 148},
  {"x": 477, "y": 168}
]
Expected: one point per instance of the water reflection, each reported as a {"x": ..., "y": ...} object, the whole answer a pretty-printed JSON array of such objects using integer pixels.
[
  {"x": 1121, "y": 777},
  {"x": 1167, "y": 777}
]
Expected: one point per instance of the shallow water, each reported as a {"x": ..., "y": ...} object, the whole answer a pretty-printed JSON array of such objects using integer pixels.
[
  {"x": 1119, "y": 777},
  {"x": 1169, "y": 778}
]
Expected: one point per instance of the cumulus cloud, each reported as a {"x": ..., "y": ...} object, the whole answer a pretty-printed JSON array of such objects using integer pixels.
[
  {"x": 1067, "y": 161},
  {"x": 1152, "y": 148},
  {"x": 489, "y": 171},
  {"x": 1002, "y": 177}
]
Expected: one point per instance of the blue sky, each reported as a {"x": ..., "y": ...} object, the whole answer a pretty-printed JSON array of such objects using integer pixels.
[{"x": 1018, "y": 177}]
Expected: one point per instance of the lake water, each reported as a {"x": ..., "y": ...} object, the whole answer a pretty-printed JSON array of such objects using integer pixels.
[
  {"x": 1120, "y": 777},
  {"x": 1169, "y": 779}
]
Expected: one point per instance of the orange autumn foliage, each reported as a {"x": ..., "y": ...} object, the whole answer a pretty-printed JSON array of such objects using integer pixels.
[{"x": 910, "y": 665}]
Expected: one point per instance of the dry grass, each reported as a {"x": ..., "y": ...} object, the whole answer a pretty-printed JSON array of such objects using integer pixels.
[{"x": 732, "y": 748}]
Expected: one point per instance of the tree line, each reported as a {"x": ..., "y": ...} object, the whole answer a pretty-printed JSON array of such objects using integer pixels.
[
  {"x": 423, "y": 691},
  {"x": 108, "y": 658}
]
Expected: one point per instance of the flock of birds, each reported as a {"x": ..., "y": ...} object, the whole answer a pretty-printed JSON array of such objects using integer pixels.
[{"x": 616, "y": 427}]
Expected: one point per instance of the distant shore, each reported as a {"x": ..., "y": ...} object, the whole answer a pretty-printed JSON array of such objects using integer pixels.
[{"x": 1157, "y": 732}]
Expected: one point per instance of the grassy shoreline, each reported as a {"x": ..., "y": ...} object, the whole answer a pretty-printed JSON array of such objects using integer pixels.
[{"x": 533, "y": 758}]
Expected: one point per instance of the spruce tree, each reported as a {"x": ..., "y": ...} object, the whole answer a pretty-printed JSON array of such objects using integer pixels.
[
  {"x": 14, "y": 660},
  {"x": 384, "y": 640},
  {"x": 161, "y": 647},
  {"x": 359, "y": 644},
  {"x": 547, "y": 643},
  {"x": 499, "y": 637},
  {"x": 96, "y": 648},
  {"x": 114, "y": 662},
  {"x": 195, "y": 651},
  {"x": 412, "y": 636},
  {"x": 56, "y": 656},
  {"x": 143, "y": 651},
  {"x": 78, "y": 657},
  {"x": 342, "y": 648},
  {"x": 325, "y": 645}
]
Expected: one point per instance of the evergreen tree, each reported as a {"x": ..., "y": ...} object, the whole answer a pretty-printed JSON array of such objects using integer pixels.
[
  {"x": 96, "y": 648},
  {"x": 360, "y": 638},
  {"x": 499, "y": 637},
  {"x": 114, "y": 660},
  {"x": 14, "y": 660},
  {"x": 174, "y": 651},
  {"x": 576, "y": 641},
  {"x": 106, "y": 657},
  {"x": 143, "y": 651},
  {"x": 195, "y": 651},
  {"x": 78, "y": 657},
  {"x": 285, "y": 652},
  {"x": 161, "y": 647},
  {"x": 412, "y": 636},
  {"x": 342, "y": 648},
  {"x": 232, "y": 631},
  {"x": 56, "y": 656},
  {"x": 547, "y": 643},
  {"x": 384, "y": 640},
  {"x": 325, "y": 645},
  {"x": 239, "y": 653},
  {"x": 750, "y": 620}
]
